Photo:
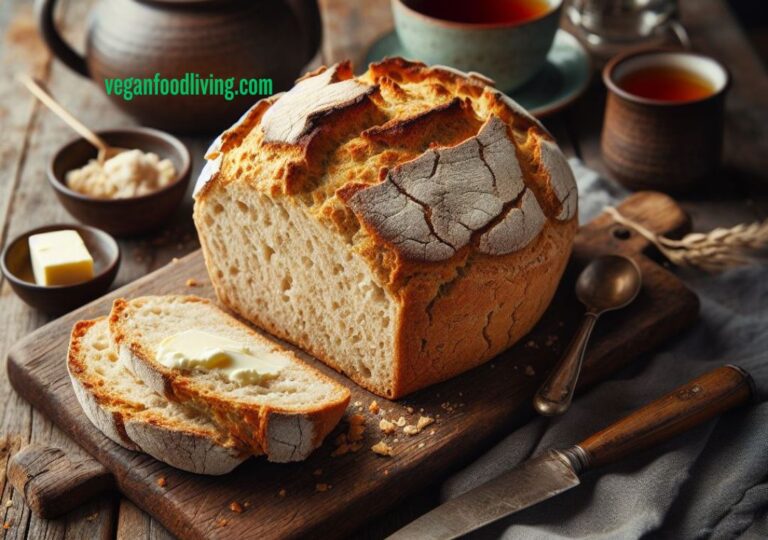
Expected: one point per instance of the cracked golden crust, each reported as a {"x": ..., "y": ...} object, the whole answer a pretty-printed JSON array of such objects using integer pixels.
[{"x": 458, "y": 309}]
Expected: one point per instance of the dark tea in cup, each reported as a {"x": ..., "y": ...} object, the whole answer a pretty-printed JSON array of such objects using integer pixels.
[
  {"x": 483, "y": 11},
  {"x": 666, "y": 83},
  {"x": 663, "y": 126}
]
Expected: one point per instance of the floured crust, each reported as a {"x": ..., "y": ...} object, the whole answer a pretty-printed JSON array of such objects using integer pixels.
[
  {"x": 459, "y": 201},
  {"x": 281, "y": 434}
]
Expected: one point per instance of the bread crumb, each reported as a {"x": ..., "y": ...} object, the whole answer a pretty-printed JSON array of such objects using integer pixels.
[
  {"x": 374, "y": 407},
  {"x": 386, "y": 426},
  {"x": 236, "y": 507},
  {"x": 401, "y": 422},
  {"x": 386, "y": 472},
  {"x": 92, "y": 516},
  {"x": 409, "y": 409},
  {"x": 221, "y": 522},
  {"x": 356, "y": 428},
  {"x": 247, "y": 504},
  {"x": 396, "y": 440},
  {"x": 431, "y": 431},
  {"x": 421, "y": 445},
  {"x": 192, "y": 282},
  {"x": 175, "y": 260},
  {"x": 424, "y": 421},
  {"x": 383, "y": 449},
  {"x": 322, "y": 488},
  {"x": 529, "y": 371},
  {"x": 317, "y": 472},
  {"x": 9, "y": 503},
  {"x": 357, "y": 403},
  {"x": 410, "y": 430},
  {"x": 531, "y": 344},
  {"x": 282, "y": 493},
  {"x": 162, "y": 482},
  {"x": 7, "y": 525}
]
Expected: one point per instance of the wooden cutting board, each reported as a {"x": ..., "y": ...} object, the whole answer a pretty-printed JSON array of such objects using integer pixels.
[{"x": 471, "y": 411}]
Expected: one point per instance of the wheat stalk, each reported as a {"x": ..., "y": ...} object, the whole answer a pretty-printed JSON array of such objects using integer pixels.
[{"x": 714, "y": 251}]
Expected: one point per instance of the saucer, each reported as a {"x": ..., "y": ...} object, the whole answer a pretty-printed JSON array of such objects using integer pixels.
[{"x": 562, "y": 80}]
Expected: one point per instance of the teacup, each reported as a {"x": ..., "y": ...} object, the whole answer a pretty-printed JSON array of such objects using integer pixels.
[
  {"x": 664, "y": 118},
  {"x": 510, "y": 50}
]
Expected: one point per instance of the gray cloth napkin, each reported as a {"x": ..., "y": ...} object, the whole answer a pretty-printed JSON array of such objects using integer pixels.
[{"x": 709, "y": 483}]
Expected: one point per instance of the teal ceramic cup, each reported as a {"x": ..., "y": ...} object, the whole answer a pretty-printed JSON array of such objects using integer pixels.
[{"x": 509, "y": 53}]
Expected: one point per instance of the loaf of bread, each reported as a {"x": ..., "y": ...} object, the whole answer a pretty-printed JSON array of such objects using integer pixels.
[
  {"x": 284, "y": 418},
  {"x": 135, "y": 417},
  {"x": 403, "y": 226}
]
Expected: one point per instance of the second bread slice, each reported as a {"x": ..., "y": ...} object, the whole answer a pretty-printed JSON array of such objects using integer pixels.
[
  {"x": 135, "y": 417},
  {"x": 285, "y": 418}
]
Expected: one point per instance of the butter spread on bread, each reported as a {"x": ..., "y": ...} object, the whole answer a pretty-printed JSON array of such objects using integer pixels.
[
  {"x": 284, "y": 417},
  {"x": 403, "y": 226},
  {"x": 232, "y": 360}
]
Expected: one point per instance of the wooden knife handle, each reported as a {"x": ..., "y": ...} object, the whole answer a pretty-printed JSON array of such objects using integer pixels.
[
  {"x": 53, "y": 483},
  {"x": 684, "y": 408}
]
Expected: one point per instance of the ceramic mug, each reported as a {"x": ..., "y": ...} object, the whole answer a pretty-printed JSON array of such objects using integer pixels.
[
  {"x": 665, "y": 145},
  {"x": 510, "y": 53}
]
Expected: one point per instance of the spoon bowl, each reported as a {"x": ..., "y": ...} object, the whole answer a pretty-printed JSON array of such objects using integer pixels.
[{"x": 608, "y": 283}]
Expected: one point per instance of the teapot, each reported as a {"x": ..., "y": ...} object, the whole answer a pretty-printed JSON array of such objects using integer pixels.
[{"x": 265, "y": 43}]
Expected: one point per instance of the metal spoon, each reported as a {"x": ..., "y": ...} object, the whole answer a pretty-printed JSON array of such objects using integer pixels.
[
  {"x": 105, "y": 151},
  {"x": 608, "y": 283}
]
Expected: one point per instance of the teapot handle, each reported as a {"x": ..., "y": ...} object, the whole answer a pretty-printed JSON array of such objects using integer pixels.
[
  {"x": 311, "y": 23},
  {"x": 44, "y": 11}
]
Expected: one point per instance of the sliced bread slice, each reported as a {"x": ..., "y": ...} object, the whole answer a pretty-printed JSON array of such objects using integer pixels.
[
  {"x": 131, "y": 414},
  {"x": 286, "y": 417}
]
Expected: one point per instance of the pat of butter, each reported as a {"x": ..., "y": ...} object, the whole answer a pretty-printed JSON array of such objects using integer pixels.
[
  {"x": 60, "y": 258},
  {"x": 235, "y": 362}
]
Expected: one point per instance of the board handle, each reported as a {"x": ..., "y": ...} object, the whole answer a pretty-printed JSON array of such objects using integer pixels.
[
  {"x": 682, "y": 409},
  {"x": 52, "y": 483}
]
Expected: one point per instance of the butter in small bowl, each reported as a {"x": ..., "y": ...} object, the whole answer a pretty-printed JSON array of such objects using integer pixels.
[{"x": 64, "y": 283}]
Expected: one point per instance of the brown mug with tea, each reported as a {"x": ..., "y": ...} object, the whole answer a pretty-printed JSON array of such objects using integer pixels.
[{"x": 663, "y": 126}]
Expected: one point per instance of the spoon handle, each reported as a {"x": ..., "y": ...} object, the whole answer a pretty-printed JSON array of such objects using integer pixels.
[
  {"x": 62, "y": 113},
  {"x": 555, "y": 395}
]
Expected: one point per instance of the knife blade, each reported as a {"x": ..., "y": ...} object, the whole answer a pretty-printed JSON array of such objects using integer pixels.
[
  {"x": 533, "y": 481},
  {"x": 556, "y": 471}
]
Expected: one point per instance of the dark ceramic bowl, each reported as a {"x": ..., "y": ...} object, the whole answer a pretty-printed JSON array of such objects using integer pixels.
[
  {"x": 17, "y": 269},
  {"x": 122, "y": 217}
]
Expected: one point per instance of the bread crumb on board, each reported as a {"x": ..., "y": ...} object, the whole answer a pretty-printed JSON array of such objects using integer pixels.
[
  {"x": 383, "y": 449},
  {"x": 222, "y": 522},
  {"x": 322, "y": 487},
  {"x": 282, "y": 493},
  {"x": 423, "y": 422},
  {"x": 7, "y": 525},
  {"x": 236, "y": 507},
  {"x": 161, "y": 481},
  {"x": 530, "y": 371},
  {"x": 401, "y": 422},
  {"x": 356, "y": 428},
  {"x": 374, "y": 407},
  {"x": 192, "y": 282},
  {"x": 92, "y": 517},
  {"x": 386, "y": 426}
]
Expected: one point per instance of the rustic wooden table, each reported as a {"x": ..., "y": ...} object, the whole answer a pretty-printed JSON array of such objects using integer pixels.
[{"x": 29, "y": 134}]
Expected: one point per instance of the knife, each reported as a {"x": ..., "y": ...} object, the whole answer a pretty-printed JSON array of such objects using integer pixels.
[{"x": 557, "y": 471}]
